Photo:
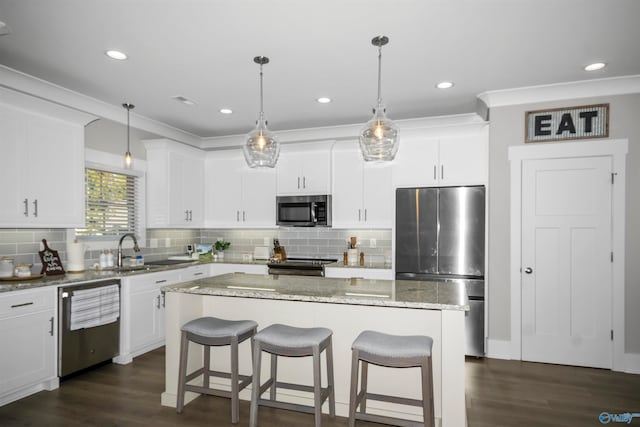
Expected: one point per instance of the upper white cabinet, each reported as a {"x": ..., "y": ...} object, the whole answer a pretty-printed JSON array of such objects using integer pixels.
[
  {"x": 236, "y": 195},
  {"x": 41, "y": 163},
  {"x": 175, "y": 180},
  {"x": 304, "y": 169},
  {"x": 362, "y": 193},
  {"x": 450, "y": 159}
]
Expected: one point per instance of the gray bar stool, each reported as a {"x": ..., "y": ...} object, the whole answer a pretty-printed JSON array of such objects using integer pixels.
[
  {"x": 211, "y": 331},
  {"x": 283, "y": 340},
  {"x": 392, "y": 351}
]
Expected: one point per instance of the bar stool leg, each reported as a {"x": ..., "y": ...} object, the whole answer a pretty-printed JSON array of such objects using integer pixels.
[
  {"x": 330, "y": 383},
  {"x": 207, "y": 366},
  {"x": 255, "y": 385},
  {"x": 317, "y": 376},
  {"x": 182, "y": 376},
  {"x": 427, "y": 392},
  {"x": 355, "y": 364},
  {"x": 235, "y": 406},
  {"x": 274, "y": 376},
  {"x": 363, "y": 386}
]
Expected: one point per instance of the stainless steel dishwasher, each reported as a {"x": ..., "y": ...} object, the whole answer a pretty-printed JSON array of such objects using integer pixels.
[{"x": 89, "y": 325}]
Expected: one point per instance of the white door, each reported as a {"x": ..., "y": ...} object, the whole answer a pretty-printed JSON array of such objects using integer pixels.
[{"x": 566, "y": 261}]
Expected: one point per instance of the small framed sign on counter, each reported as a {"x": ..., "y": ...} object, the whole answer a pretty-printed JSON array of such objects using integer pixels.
[{"x": 559, "y": 124}]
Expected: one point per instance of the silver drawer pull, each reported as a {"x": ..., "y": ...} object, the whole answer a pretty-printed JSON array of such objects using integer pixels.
[
  {"x": 198, "y": 274},
  {"x": 21, "y": 305},
  {"x": 160, "y": 281},
  {"x": 51, "y": 330}
]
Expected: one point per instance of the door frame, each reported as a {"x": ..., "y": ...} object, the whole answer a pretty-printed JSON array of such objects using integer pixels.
[{"x": 617, "y": 150}]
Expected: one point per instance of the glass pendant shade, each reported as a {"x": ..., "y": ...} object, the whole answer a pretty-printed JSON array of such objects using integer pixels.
[
  {"x": 379, "y": 137},
  {"x": 261, "y": 148}
]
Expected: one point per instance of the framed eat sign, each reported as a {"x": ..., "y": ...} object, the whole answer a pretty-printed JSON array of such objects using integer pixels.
[{"x": 587, "y": 121}]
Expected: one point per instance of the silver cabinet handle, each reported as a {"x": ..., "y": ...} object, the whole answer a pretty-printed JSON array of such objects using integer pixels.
[
  {"x": 186, "y": 215},
  {"x": 190, "y": 215},
  {"x": 298, "y": 183},
  {"x": 359, "y": 215},
  {"x": 163, "y": 300},
  {"x": 161, "y": 281},
  {"x": 51, "y": 330},
  {"x": 304, "y": 182},
  {"x": 434, "y": 172},
  {"x": 365, "y": 215},
  {"x": 244, "y": 216},
  {"x": 22, "y": 305},
  {"x": 158, "y": 304},
  {"x": 198, "y": 274},
  {"x": 35, "y": 208},
  {"x": 528, "y": 270},
  {"x": 26, "y": 207},
  {"x": 442, "y": 172},
  {"x": 237, "y": 216}
]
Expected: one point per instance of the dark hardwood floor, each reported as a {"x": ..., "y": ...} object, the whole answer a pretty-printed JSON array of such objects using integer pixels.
[{"x": 499, "y": 393}]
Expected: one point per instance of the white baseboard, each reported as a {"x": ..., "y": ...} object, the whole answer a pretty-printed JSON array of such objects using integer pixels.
[
  {"x": 499, "y": 349},
  {"x": 632, "y": 363}
]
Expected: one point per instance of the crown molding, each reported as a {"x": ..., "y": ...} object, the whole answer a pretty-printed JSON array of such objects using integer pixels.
[
  {"x": 42, "y": 89},
  {"x": 559, "y": 91}
]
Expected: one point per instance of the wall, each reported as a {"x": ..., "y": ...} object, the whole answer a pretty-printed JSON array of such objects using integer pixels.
[
  {"x": 111, "y": 137},
  {"x": 507, "y": 129}
]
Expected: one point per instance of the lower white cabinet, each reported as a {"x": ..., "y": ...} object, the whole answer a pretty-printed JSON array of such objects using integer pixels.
[
  {"x": 142, "y": 314},
  {"x": 359, "y": 273},
  {"x": 28, "y": 333}
]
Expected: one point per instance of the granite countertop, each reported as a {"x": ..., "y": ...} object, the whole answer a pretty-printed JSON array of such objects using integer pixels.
[
  {"x": 367, "y": 264},
  {"x": 386, "y": 293}
]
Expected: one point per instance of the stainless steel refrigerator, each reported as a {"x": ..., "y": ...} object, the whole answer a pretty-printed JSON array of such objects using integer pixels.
[{"x": 440, "y": 235}]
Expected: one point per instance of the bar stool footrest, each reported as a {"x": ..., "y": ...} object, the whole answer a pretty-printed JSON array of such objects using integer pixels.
[
  {"x": 394, "y": 399},
  {"x": 387, "y": 420}
]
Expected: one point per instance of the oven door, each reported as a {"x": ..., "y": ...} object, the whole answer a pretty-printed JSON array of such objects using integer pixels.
[{"x": 296, "y": 213}]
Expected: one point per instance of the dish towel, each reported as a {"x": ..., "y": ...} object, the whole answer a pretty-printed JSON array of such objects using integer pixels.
[{"x": 94, "y": 307}]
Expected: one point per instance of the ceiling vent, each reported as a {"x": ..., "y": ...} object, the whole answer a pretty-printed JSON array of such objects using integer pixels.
[{"x": 184, "y": 100}]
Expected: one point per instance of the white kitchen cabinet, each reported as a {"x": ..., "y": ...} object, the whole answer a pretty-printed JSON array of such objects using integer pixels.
[
  {"x": 41, "y": 166},
  {"x": 175, "y": 183},
  {"x": 359, "y": 273},
  {"x": 451, "y": 159},
  {"x": 362, "y": 193},
  {"x": 304, "y": 169},
  {"x": 142, "y": 327},
  {"x": 220, "y": 268},
  {"x": 195, "y": 272},
  {"x": 28, "y": 332},
  {"x": 237, "y": 196}
]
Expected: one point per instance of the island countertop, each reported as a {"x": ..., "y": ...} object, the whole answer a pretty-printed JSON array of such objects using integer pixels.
[{"x": 430, "y": 295}]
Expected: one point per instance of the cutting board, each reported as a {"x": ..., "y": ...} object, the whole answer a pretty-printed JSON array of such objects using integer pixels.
[{"x": 51, "y": 263}]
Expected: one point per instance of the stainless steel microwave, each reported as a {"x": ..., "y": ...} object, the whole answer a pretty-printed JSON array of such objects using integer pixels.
[{"x": 303, "y": 211}]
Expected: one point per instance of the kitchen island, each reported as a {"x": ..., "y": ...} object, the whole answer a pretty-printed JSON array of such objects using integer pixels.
[{"x": 347, "y": 306}]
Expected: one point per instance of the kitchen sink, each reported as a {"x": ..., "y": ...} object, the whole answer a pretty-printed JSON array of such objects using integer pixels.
[{"x": 133, "y": 268}]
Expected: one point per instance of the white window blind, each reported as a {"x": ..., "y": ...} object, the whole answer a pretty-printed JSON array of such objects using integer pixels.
[{"x": 113, "y": 205}]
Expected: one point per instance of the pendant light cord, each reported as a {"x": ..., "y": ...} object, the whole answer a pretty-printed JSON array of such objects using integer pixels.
[
  {"x": 128, "y": 127},
  {"x": 261, "y": 95},
  {"x": 379, "y": 76}
]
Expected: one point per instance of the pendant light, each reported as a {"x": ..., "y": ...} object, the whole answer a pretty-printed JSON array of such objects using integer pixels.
[
  {"x": 261, "y": 148},
  {"x": 379, "y": 137},
  {"x": 128, "y": 158}
]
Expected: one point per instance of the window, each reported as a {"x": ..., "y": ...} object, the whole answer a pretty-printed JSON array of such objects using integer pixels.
[{"x": 113, "y": 204}]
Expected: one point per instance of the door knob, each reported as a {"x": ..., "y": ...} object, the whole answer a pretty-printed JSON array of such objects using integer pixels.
[{"x": 528, "y": 270}]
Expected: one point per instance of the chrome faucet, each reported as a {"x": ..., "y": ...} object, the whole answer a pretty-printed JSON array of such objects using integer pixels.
[{"x": 135, "y": 246}]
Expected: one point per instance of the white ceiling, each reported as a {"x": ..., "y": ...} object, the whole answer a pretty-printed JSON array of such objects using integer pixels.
[{"x": 204, "y": 49}]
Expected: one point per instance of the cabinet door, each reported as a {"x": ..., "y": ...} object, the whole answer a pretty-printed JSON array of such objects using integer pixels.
[
  {"x": 377, "y": 195},
  {"x": 463, "y": 160},
  {"x": 186, "y": 176},
  {"x": 55, "y": 155},
  {"x": 347, "y": 187},
  {"x": 223, "y": 190},
  {"x": 194, "y": 192},
  {"x": 27, "y": 351},
  {"x": 288, "y": 172},
  {"x": 259, "y": 198},
  {"x": 316, "y": 172},
  {"x": 416, "y": 163},
  {"x": 12, "y": 136},
  {"x": 145, "y": 325}
]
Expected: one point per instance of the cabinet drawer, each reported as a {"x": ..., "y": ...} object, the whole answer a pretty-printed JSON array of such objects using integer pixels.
[
  {"x": 23, "y": 302},
  {"x": 195, "y": 273},
  {"x": 152, "y": 280},
  {"x": 355, "y": 272}
]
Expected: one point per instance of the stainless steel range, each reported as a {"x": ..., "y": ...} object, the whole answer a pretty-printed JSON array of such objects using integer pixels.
[{"x": 300, "y": 266}]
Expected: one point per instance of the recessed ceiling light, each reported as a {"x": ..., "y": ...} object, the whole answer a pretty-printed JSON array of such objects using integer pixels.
[
  {"x": 226, "y": 110},
  {"x": 184, "y": 100},
  {"x": 323, "y": 100},
  {"x": 116, "y": 54},
  {"x": 444, "y": 85},
  {"x": 4, "y": 29},
  {"x": 595, "y": 66}
]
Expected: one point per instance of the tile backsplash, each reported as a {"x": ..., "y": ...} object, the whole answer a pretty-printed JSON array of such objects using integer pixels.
[{"x": 23, "y": 244}]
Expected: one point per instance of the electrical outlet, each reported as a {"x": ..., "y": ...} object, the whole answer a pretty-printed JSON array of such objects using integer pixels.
[
  {"x": 266, "y": 241},
  {"x": 373, "y": 243},
  {"x": 153, "y": 243},
  {"x": 167, "y": 242}
]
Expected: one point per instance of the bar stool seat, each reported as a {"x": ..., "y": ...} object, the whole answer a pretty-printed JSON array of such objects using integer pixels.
[
  {"x": 284, "y": 340},
  {"x": 208, "y": 332},
  {"x": 394, "y": 351}
]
